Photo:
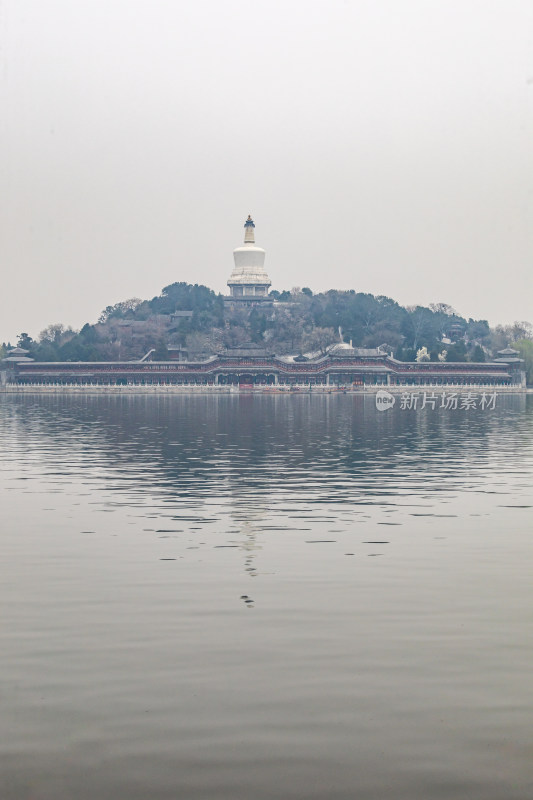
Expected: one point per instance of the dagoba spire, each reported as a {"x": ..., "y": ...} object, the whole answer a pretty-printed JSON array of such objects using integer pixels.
[
  {"x": 249, "y": 233},
  {"x": 249, "y": 283}
]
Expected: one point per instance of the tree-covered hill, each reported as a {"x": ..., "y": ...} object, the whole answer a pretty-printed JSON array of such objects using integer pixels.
[{"x": 195, "y": 318}]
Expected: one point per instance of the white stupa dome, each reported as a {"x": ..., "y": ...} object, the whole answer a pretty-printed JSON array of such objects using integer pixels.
[{"x": 249, "y": 270}]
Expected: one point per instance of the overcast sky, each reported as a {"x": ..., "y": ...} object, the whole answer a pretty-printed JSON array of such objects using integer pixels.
[{"x": 380, "y": 145}]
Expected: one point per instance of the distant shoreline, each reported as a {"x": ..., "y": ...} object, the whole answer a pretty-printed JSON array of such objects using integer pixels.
[{"x": 160, "y": 389}]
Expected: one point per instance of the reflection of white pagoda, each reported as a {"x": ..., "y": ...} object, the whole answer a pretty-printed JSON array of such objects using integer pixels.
[{"x": 249, "y": 283}]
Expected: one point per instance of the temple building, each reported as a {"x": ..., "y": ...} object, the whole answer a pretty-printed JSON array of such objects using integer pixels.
[
  {"x": 249, "y": 366},
  {"x": 248, "y": 283},
  {"x": 252, "y": 365}
]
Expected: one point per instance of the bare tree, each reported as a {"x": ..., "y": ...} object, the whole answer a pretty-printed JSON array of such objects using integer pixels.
[
  {"x": 56, "y": 333},
  {"x": 119, "y": 309},
  {"x": 418, "y": 316},
  {"x": 200, "y": 344},
  {"x": 443, "y": 308},
  {"x": 504, "y": 335},
  {"x": 52, "y": 333},
  {"x": 286, "y": 333},
  {"x": 318, "y": 339},
  {"x": 522, "y": 330}
]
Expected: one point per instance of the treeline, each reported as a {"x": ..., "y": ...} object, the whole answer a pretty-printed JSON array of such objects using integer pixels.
[{"x": 300, "y": 322}]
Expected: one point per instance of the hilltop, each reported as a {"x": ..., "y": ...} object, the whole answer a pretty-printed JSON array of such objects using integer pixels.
[{"x": 195, "y": 319}]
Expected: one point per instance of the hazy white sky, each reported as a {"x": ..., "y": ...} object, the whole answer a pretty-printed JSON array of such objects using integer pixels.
[{"x": 380, "y": 145}]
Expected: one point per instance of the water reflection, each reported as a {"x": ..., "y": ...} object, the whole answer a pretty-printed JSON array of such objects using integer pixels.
[
  {"x": 384, "y": 560},
  {"x": 321, "y": 448}
]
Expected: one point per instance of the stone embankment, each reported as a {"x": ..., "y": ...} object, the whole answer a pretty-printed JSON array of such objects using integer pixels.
[{"x": 162, "y": 389}]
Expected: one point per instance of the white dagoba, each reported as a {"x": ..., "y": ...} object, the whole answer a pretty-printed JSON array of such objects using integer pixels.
[{"x": 249, "y": 281}]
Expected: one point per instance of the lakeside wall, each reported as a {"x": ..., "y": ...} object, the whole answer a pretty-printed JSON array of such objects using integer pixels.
[{"x": 159, "y": 389}]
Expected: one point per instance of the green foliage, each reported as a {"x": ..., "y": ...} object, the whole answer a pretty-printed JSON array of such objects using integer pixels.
[
  {"x": 525, "y": 348},
  {"x": 405, "y": 354},
  {"x": 478, "y": 354},
  {"x": 26, "y": 342},
  {"x": 478, "y": 330},
  {"x": 364, "y": 319},
  {"x": 122, "y": 310},
  {"x": 77, "y": 350},
  {"x": 437, "y": 351},
  {"x": 161, "y": 351},
  {"x": 47, "y": 352},
  {"x": 427, "y": 326},
  {"x": 89, "y": 334},
  {"x": 456, "y": 352},
  {"x": 57, "y": 343},
  {"x": 258, "y": 325},
  {"x": 305, "y": 322},
  {"x": 284, "y": 297},
  {"x": 183, "y": 297}
]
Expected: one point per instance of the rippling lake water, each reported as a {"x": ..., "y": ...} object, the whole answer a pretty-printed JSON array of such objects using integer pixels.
[{"x": 257, "y": 597}]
